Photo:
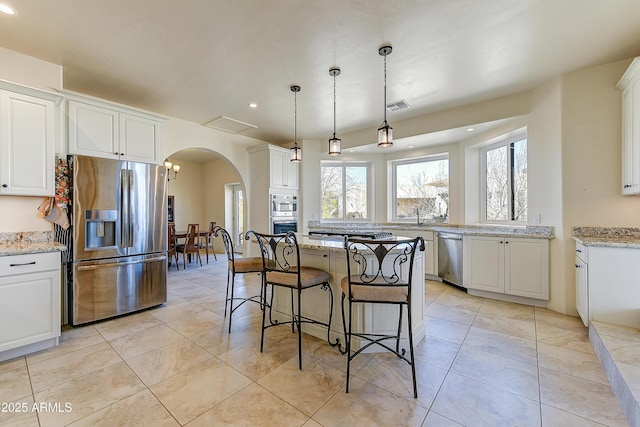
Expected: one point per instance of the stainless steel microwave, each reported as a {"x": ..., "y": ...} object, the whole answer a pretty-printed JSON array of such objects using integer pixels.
[{"x": 284, "y": 205}]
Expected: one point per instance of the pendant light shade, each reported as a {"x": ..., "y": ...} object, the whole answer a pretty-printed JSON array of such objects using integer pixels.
[
  {"x": 334, "y": 141},
  {"x": 296, "y": 151},
  {"x": 385, "y": 132}
]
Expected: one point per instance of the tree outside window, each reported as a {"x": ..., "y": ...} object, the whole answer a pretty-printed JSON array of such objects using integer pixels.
[
  {"x": 421, "y": 189},
  {"x": 344, "y": 191},
  {"x": 505, "y": 181}
]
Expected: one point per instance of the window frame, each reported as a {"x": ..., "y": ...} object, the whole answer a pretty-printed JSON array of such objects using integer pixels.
[
  {"x": 505, "y": 140},
  {"x": 344, "y": 165},
  {"x": 394, "y": 187}
]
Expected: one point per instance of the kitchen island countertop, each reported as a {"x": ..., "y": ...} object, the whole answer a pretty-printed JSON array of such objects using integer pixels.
[{"x": 529, "y": 231}]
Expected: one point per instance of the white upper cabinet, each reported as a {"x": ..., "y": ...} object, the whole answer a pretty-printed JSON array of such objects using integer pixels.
[
  {"x": 27, "y": 140},
  {"x": 140, "y": 137},
  {"x": 93, "y": 130},
  {"x": 101, "y": 129},
  {"x": 284, "y": 172},
  {"x": 629, "y": 85}
]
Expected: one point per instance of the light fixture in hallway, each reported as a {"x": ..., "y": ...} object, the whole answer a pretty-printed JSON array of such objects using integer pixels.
[{"x": 170, "y": 166}]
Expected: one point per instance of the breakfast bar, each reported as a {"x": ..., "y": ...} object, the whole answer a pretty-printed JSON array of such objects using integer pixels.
[{"x": 328, "y": 253}]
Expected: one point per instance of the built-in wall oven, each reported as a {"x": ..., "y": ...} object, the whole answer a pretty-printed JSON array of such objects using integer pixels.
[
  {"x": 284, "y": 205},
  {"x": 284, "y": 213},
  {"x": 283, "y": 226}
]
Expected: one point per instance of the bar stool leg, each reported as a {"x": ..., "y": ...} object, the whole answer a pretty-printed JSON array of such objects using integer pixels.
[
  {"x": 233, "y": 283},
  {"x": 413, "y": 361},
  {"x": 299, "y": 333}
]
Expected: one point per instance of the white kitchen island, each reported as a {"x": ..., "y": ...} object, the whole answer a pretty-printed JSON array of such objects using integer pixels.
[{"x": 329, "y": 254}]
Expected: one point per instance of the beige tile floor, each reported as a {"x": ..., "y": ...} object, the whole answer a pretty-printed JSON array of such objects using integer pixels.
[{"x": 483, "y": 362}]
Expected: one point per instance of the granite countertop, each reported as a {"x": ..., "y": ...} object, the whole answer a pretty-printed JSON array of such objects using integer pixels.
[
  {"x": 616, "y": 237},
  {"x": 528, "y": 231},
  {"x": 20, "y": 243},
  {"x": 321, "y": 243}
]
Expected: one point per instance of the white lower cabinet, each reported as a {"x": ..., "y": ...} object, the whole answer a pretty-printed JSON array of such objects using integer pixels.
[
  {"x": 507, "y": 265},
  {"x": 607, "y": 284},
  {"x": 29, "y": 303},
  {"x": 582, "y": 284}
]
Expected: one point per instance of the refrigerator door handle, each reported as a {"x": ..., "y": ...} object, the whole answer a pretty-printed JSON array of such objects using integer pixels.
[
  {"x": 130, "y": 190},
  {"x": 124, "y": 209},
  {"x": 118, "y": 264}
]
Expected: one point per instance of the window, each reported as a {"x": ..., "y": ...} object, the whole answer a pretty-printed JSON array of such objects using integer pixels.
[
  {"x": 504, "y": 181},
  {"x": 344, "y": 191},
  {"x": 421, "y": 189}
]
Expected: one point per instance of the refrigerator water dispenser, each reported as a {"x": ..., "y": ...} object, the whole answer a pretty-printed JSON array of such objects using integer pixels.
[{"x": 100, "y": 229}]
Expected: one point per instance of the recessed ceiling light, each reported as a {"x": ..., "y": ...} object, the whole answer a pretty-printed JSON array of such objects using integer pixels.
[
  {"x": 470, "y": 130},
  {"x": 351, "y": 151},
  {"x": 6, "y": 9},
  {"x": 253, "y": 105},
  {"x": 411, "y": 146}
]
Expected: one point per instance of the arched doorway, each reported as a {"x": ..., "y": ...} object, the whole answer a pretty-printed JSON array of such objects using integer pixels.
[{"x": 204, "y": 190}]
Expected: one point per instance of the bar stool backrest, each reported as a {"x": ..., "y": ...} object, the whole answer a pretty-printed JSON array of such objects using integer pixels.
[
  {"x": 378, "y": 263},
  {"x": 280, "y": 252}
]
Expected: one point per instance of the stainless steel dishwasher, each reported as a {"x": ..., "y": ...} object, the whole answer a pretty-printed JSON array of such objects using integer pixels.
[{"x": 450, "y": 258}]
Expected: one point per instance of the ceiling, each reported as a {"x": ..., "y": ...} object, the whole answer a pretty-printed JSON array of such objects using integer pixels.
[{"x": 200, "y": 60}]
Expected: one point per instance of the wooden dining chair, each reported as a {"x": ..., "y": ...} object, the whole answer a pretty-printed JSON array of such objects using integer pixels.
[
  {"x": 208, "y": 241},
  {"x": 190, "y": 246},
  {"x": 171, "y": 244}
]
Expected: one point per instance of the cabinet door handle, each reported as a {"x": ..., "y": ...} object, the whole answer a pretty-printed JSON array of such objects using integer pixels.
[
  {"x": 579, "y": 251},
  {"x": 578, "y": 266},
  {"x": 628, "y": 185},
  {"x": 501, "y": 242},
  {"x": 506, "y": 242},
  {"x": 4, "y": 185},
  {"x": 21, "y": 264}
]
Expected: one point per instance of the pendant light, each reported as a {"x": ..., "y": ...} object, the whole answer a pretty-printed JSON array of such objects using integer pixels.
[
  {"x": 385, "y": 132},
  {"x": 334, "y": 141},
  {"x": 296, "y": 151}
]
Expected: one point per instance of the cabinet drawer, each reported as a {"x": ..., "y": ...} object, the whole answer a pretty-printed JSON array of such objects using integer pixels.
[
  {"x": 581, "y": 252},
  {"x": 29, "y": 263}
]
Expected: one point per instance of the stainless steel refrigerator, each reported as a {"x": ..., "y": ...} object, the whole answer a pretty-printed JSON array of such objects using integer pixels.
[{"x": 119, "y": 220}]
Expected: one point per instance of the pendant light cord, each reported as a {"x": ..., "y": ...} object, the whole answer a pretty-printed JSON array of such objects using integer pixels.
[
  {"x": 385, "y": 88},
  {"x": 334, "y": 105},
  {"x": 295, "y": 118}
]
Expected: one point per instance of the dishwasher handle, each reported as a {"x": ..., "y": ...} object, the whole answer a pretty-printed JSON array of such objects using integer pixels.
[{"x": 449, "y": 236}]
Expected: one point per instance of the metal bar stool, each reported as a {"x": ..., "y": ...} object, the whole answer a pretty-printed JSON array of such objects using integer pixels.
[
  {"x": 375, "y": 276},
  {"x": 238, "y": 266},
  {"x": 281, "y": 267}
]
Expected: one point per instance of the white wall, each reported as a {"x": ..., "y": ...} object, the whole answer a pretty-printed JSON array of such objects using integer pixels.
[
  {"x": 189, "y": 197},
  {"x": 218, "y": 204}
]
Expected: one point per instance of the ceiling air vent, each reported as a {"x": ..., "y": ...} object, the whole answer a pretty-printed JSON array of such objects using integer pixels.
[
  {"x": 398, "y": 105},
  {"x": 228, "y": 124}
]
